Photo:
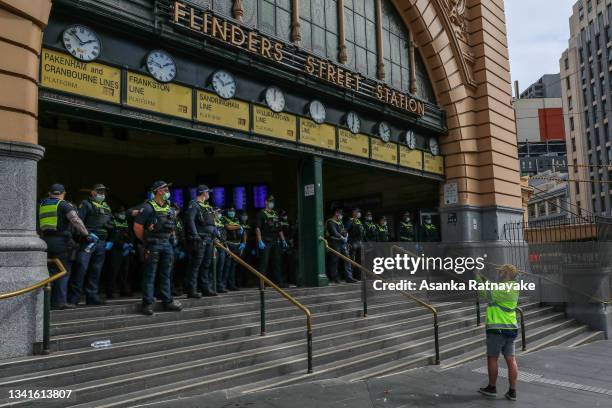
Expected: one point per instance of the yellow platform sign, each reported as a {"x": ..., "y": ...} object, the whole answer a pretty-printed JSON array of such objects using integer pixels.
[
  {"x": 229, "y": 113},
  {"x": 433, "y": 164},
  {"x": 385, "y": 152},
  {"x": 278, "y": 125},
  {"x": 411, "y": 158},
  {"x": 65, "y": 73},
  {"x": 146, "y": 93},
  {"x": 357, "y": 145},
  {"x": 313, "y": 134}
]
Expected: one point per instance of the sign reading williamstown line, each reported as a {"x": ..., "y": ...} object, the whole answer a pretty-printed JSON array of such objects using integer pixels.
[{"x": 205, "y": 23}]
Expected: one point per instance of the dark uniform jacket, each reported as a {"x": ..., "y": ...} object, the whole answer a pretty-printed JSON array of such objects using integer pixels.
[
  {"x": 269, "y": 224},
  {"x": 382, "y": 233},
  {"x": 371, "y": 231},
  {"x": 97, "y": 217},
  {"x": 335, "y": 231},
  {"x": 199, "y": 220},
  {"x": 356, "y": 230},
  {"x": 406, "y": 231}
]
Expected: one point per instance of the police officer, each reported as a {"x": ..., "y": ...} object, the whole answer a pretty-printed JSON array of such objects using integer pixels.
[
  {"x": 97, "y": 217},
  {"x": 248, "y": 239},
  {"x": 55, "y": 217},
  {"x": 235, "y": 243},
  {"x": 155, "y": 226},
  {"x": 429, "y": 230},
  {"x": 382, "y": 231},
  {"x": 270, "y": 240},
  {"x": 178, "y": 272},
  {"x": 356, "y": 234},
  {"x": 338, "y": 238},
  {"x": 288, "y": 255},
  {"x": 406, "y": 229},
  {"x": 200, "y": 232},
  {"x": 222, "y": 256},
  {"x": 371, "y": 230},
  {"x": 120, "y": 254}
]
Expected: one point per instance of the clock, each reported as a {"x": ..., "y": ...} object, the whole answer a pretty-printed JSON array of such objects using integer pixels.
[
  {"x": 433, "y": 146},
  {"x": 275, "y": 99},
  {"x": 224, "y": 84},
  {"x": 161, "y": 66},
  {"x": 384, "y": 132},
  {"x": 410, "y": 139},
  {"x": 317, "y": 111},
  {"x": 81, "y": 42},
  {"x": 353, "y": 122}
]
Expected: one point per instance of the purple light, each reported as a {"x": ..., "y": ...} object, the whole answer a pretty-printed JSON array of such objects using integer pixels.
[
  {"x": 192, "y": 193},
  {"x": 218, "y": 196},
  {"x": 260, "y": 192},
  {"x": 177, "y": 197},
  {"x": 240, "y": 198}
]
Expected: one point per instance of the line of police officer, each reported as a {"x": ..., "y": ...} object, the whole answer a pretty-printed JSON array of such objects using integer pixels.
[
  {"x": 348, "y": 237},
  {"x": 157, "y": 229}
]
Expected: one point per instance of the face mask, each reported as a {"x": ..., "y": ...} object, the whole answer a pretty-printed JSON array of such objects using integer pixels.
[
  {"x": 244, "y": 219},
  {"x": 100, "y": 197},
  {"x": 407, "y": 219},
  {"x": 231, "y": 214},
  {"x": 369, "y": 219},
  {"x": 384, "y": 224},
  {"x": 340, "y": 217},
  {"x": 166, "y": 196},
  {"x": 358, "y": 215},
  {"x": 121, "y": 216},
  {"x": 285, "y": 218},
  {"x": 271, "y": 205}
]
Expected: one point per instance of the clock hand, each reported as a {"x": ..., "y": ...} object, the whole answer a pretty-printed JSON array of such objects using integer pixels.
[{"x": 75, "y": 33}]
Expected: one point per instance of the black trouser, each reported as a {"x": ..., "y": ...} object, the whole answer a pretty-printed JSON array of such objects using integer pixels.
[
  {"x": 356, "y": 252},
  {"x": 333, "y": 263},
  {"x": 230, "y": 266},
  {"x": 118, "y": 272},
  {"x": 199, "y": 266},
  {"x": 270, "y": 260},
  {"x": 59, "y": 247}
]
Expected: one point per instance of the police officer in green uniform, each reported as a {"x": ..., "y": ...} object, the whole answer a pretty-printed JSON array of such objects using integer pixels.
[
  {"x": 406, "y": 229},
  {"x": 155, "y": 226},
  {"x": 382, "y": 230},
  {"x": 200, "y": 232},
  {"x": 222, "y": 256},
  {"x": 235, "y": 237},
  {"x": 120, "y": 254},
  {"x": 97, "y": 217},
  {"x": 288, "y": 255},
  {"x": 248, "y": 246},
  {"x": 371, "y": 230},
  {"x": 429, "y": 230},
  {"x": 338, "y": 239},
  {"x": 55, "y": 217},
  {"x": 270, "y": 241},
  {"x": 356, "y": 233}
]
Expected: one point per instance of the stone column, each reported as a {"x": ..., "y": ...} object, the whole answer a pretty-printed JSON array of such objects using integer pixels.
[{"x": 22, "y": 253}]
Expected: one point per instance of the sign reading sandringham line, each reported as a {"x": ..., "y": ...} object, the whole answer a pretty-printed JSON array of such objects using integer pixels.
[{"x": 204, "y": 22}]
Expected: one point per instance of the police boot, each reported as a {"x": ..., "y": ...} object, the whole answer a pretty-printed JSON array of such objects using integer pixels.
[
  {"x": 147, "y": 310},
  {"x": 194, "y": 295},
  {"x": 174, "y": 306}
]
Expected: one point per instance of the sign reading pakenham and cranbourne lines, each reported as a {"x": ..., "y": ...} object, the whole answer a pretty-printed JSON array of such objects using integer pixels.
[{"x": 91, "y": 79}]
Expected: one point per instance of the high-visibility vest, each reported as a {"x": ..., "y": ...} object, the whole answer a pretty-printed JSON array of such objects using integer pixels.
[
  {"x": 501, "y": 309},
  {"x": 47, "y": 214}
]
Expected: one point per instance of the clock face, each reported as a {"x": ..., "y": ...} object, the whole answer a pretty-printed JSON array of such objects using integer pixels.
[
  {"x": 82, "y": 42},
  {"x": 433, "y": 146},
  {"x": 353, "y": 122},
  {"x": 384, "y": 132},
  {"x": 275, "y": 99},
  {"x": 161, "y": 66},
  {"x": 317, "y": 111},
  {"x": 411, "y": 139},
  {"x": 224, "y": 84}
]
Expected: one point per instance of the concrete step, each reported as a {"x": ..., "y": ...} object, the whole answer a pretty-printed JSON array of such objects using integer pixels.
[{"x": 582, "y": 339}]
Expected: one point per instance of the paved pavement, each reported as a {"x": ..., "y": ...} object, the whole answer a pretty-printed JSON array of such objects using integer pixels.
[{"x": 556, "y": 377}]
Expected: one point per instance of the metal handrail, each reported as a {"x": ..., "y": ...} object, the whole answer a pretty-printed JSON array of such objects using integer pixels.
[
  {"x": 432, "y": 309},
  {"x": 263, "y": 280},
  {"x": 524, "y": 341},
  {"x": 46, "y": 285},
  {"x": 477, "y": 302},
  {"x": 40, "y": 284}
]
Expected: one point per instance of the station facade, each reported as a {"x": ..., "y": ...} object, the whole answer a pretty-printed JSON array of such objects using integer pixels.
[{"x": 385, "y": 105}]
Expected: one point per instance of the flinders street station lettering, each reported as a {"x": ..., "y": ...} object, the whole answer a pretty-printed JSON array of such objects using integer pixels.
[{"x": 205, "y": 23}]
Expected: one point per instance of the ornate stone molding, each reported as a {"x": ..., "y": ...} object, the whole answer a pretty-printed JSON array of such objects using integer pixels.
[{"x": 456, "y": 12}]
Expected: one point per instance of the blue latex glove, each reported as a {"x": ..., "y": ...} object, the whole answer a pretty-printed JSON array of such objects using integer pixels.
[
  {"x": 284, "y": 244},
  {"x": 241, "y": 230},
  {"x": 125, "y": 252},
  {"x": 241, "y": 246},
  {"x": 126, "y": 246},
  {"x": 261, "y": 245},
  {"x": 109, "y": 245},
  {"x": 93, "y": 237}
]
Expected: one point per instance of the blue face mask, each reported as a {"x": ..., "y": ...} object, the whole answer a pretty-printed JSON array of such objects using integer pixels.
[
  {"x": 271, "y": 205},
  {"x": 231, "y": 214},
  {"x": 166, "y": 196},
  {"x": 100, "y": 197}
]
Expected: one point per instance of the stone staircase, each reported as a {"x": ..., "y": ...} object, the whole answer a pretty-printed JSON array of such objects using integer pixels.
[{"x": 215, "y": 344}]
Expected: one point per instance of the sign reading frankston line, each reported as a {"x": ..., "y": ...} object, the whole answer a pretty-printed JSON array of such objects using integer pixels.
[
  {"x": 146, "y": 93},
  {"x": 206, "y": 23}
]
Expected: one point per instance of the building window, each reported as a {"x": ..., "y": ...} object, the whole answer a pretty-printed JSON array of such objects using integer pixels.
[
  {"x": 581, "y": 55},
  {"x": 581, "y": 13},
  {"x": 360, "y": 34},
  {"x": 566, "y": 63},
  {"x": 589, "y": 5},
  {"x": 270, "y": 16},
  {"x": 606, "y": 133},
  {"x": 318, "y": 28},
  {"x": 542, "y": 209},
  {"x": 573, "y": 144},
  {"x": 395, "y": 48},
  {"x": 577, "y": 187},
  {"x": 569, "y": 103},
  {"x": 575, "y": 165},
  {"x": 532, "y": 211},
  {"x": 571, "y": 123}
]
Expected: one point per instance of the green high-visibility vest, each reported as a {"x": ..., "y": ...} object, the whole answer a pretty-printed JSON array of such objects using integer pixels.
[
  {"x": 47, "y": 214},
  {"x": 501, "y": 309}
]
